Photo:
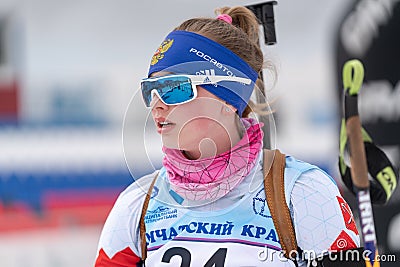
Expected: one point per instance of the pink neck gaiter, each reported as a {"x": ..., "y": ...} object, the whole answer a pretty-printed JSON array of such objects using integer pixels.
[{"x": 212, "y": 178}]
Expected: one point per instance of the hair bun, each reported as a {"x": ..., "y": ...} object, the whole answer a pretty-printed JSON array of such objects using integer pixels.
[{"x": 242, "y": 18}]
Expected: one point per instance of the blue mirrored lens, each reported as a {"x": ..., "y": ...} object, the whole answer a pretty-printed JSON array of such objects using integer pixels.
[{"x": 173, "y": 90}]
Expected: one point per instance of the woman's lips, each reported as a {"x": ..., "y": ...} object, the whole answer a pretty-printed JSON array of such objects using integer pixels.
[{"x": 164, "y": 126}]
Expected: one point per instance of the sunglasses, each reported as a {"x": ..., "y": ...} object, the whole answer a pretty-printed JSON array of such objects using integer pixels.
[{"x": 180, "y": 89}]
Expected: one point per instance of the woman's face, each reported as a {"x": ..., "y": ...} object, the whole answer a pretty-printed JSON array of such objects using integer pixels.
[{"x": 187, "y": 126}]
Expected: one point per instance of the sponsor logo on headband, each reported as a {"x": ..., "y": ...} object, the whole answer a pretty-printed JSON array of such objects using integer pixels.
[
  {"x": 208, "y": 58},
  {"x": 209, "y": 72},
  {"x": 159, "y": 54}
]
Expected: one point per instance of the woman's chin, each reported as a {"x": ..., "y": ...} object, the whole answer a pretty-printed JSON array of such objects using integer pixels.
[{"x": 170, "y": 143}]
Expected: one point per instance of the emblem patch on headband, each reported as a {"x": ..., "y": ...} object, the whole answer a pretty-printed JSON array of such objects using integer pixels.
[{"x": 159, "y": 54}]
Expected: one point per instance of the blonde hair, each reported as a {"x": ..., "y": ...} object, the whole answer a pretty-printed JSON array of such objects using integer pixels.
[{"x": 241, "y": 37}]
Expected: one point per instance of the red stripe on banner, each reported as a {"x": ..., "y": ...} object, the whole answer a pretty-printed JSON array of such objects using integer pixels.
[
  {"x": 60, "y": 209},
  {"x": 9, "y": 103},
  {"x": 56, "y": 199}
]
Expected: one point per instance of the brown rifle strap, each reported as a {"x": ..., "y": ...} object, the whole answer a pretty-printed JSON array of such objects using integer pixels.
[
  {"x": 142, "y": 225},
  {"x": 275, "y": 194}
]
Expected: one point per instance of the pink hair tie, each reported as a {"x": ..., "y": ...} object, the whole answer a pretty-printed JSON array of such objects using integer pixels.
[{"x": 225, "y": 17}]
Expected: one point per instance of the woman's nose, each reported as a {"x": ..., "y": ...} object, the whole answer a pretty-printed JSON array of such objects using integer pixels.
[{"x": 157, "y": 104}]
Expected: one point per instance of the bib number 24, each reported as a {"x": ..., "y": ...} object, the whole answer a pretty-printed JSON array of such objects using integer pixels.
[{"x": 216, "y": 260}]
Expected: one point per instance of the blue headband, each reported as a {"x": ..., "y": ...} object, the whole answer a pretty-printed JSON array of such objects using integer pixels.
[{"x": 190, "y": 53}]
